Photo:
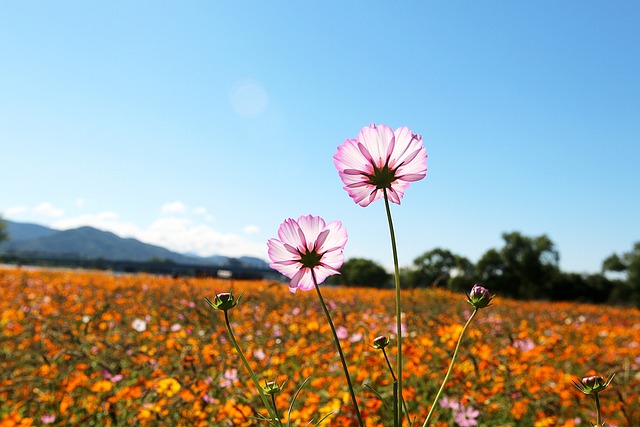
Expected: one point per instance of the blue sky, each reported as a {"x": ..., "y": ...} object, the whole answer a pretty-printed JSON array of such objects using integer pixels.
[{"x": 201, "y": 126}]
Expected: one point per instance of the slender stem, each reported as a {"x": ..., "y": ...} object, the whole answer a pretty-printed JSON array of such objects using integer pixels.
[
  {"x": 395, "y": 404},
  {"x": 273, "y": 415},
  {"x": 398, "y": 401},
  {"x": 275, "y": 407},
  {"x": 337, "y": 341},
  {"x": 598, "y": 415},
  {"x": 446, "y": 377},
  {"x": 393, "y": 375},
  {"x": 395, "y": 382}
]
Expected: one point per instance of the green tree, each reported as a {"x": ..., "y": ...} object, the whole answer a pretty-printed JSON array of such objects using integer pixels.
[
  {"x": 363, "y": 272},
  {"x": 525, "y": 267},
  {"x": 3, "y": 230},
  {"x": 594, "y": 288},
  {"x": 628, "y": 264},
  {"x": 441, "y": 267}
]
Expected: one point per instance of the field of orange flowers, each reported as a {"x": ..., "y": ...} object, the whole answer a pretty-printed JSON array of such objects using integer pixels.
[{"x": 93, "y": 348}]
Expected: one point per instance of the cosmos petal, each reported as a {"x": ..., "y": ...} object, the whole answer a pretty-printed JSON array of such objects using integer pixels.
[
  {"x": 378, "y": 149},
  {"x": 306, "y": 247}
]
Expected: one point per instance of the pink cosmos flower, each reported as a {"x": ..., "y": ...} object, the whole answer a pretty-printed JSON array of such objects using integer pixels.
[
  {"x": 466, "y": 416},
  {"x": 48, "y": 419},
  {"x": 342, "y": 332},
  {"x": 446, "y": 402},
  {"x": 378, "y": 160},
  {"x": 229, "y": 377},
  {"x": 305, "y": 246}
]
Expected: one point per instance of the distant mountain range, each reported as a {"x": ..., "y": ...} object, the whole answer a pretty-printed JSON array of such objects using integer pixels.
[{"x": 90, "y": 243}]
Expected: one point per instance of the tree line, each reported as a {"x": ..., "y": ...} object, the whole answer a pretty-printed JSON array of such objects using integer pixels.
[{"x": 523, "y": 268}]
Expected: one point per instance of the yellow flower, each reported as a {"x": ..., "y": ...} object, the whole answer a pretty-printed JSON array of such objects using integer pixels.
[
  {"x": 102, "y": 386},
  {"x": 168, "y": 387}
]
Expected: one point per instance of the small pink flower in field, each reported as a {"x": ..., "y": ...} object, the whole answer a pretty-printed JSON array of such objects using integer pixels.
[
  {"x": 357, "y": 337},
  {"x": 447, "y": 403},
  {"x": 394, "y": 329},
  {"x": 342, "y": 332},
  {"x": 229, "y": 377},
  {"x": 116, "y": 378},
  {"x": 308, "y": 247},
  {"x": 48, "y": 419},
  {"x": 259, "y": 354},
  {"x": 208, "y": 399},
  {"x": 113, "y": 378},
  {"x": 524, "y": 345},
  {"x": 466, "y": 416},
  {"x": 379, "y": 160}
]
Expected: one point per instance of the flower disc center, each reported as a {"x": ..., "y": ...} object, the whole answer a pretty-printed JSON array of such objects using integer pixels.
[
  {"x": 382, "y": 177},
  {"x": 310, "y": 259}
]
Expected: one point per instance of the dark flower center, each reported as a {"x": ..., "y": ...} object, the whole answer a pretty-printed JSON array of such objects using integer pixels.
[
  {"x": 310, "y": 259},
  {"x": 382, "y": 178}
]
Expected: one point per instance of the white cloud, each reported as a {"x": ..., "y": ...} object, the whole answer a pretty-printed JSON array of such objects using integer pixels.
[
  {"x": 80, "y": 202},
  {"x": 179, "y": 234},
  {"x": 174, "y": 207},
  {"x": 47, "y": 209},
  {"x": 201, "y": 211},
  {"x": 107, "y": 221},
  {"x": 251, "y": 229},
  {"x": 204, "y": 213},
  {"x": 182, "y": 235},
  {"x": 15, "y": 210}
]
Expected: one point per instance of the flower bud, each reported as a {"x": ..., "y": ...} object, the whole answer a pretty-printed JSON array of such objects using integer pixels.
[
  {"x": 270, "y": 388},
  {"x": 479, "y": 297},
  {"x": 381, "y": 342},
  {"x": 224, "y": 301},
  {"x": 593, "y": 384}
]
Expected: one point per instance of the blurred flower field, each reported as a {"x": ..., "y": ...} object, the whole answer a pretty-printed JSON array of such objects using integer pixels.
[{"x": 93, "y": 348}]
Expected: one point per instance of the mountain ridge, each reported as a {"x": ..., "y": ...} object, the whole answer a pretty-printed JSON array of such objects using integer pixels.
[{"x": 91, "y": 243}]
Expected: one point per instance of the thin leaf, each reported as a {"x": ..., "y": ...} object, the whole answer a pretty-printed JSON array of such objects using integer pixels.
[
  {"x": 295, "y": 396},
  {"x": 377, "y": 394},
  {"x": 323, "y": 418}
]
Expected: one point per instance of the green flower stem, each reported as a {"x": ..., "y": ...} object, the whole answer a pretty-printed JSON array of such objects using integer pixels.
[
  {"x": 446, "y": 377},
  {"x": 395, "y": 381},
  {"x": 271, "y": 410},
  {"x": 398, "y": 402},
  {"x": 598, "y": 414},
  {"x": 337, "y": 341},
  {"x": 384, "y": 352},
  {"x": 275, "y": 407}
]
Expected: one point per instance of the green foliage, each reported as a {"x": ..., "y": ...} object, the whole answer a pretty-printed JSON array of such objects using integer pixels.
[
  {"x": 525, "y": 267},
  {"x": 628, "y": 264},
  {"x": 363, "y": 272},
  {"x": 3, "y": 230},
  {"x": 583, "y": 287},
  {"x": 441, "y": 267}
]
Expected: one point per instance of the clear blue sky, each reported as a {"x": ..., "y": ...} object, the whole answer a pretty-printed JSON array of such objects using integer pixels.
[{"x": 201, "y": 125}]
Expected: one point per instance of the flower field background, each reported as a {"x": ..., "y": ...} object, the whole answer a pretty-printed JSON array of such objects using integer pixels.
[{"x": 93, "y": 348}]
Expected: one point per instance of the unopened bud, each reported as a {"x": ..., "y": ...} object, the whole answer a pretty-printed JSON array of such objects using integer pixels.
[
  {"x": 479, "y": 297},
  {"x": 381, "y": 342},
  {"x": 224, "y": 301},
  {"x": 593, "y": 384},
  {"x": 270, "y": 388}
]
